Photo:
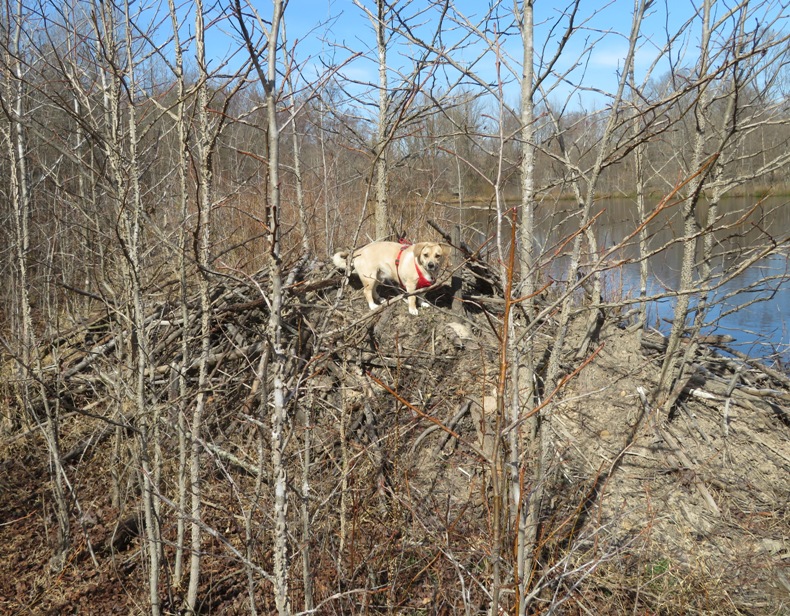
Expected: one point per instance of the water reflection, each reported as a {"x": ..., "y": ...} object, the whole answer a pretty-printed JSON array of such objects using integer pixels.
[{"x": 753, "y": 307}]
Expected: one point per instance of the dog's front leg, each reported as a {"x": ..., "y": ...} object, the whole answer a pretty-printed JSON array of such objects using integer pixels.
[{"x": 412, "y": 300}]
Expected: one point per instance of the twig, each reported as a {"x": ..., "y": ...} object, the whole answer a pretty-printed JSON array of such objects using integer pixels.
[
  {"x": 683, "y": 459},
  {"x": 451, "y": 425},
  {"x": 726, "y": 415}
]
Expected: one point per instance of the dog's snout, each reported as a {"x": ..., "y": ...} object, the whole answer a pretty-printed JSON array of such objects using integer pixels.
[{"x": 431, "y": 265}]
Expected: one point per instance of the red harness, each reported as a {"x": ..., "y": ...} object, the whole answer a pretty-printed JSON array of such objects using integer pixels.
[{"x": 422, "y": 281}]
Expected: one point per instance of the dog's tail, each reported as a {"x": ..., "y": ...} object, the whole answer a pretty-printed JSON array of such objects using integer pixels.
[{"x": 339, "y": 259}]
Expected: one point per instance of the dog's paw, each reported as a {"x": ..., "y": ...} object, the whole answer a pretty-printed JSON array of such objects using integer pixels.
[
  {"x": 413, "y": 311},
  {"x": 373, "y": 305}
]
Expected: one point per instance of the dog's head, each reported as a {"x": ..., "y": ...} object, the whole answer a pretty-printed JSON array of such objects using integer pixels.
[{"x": 431, "y": 255}]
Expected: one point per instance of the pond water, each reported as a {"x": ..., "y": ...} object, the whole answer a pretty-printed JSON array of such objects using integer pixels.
[{"x": 753, "y": 306}]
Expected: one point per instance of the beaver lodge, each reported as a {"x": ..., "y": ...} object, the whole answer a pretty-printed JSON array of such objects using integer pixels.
[{"x": 401, "y": 495}]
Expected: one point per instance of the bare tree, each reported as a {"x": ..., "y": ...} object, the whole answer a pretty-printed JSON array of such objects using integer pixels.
[
  {"x": 205, "y": 141},
  {"x": 14, "y": 137},
  {"x": 724, "y": 75},
  {"x": 122, "y": 150},
  {"x": 179, "y": 118},
  {"x": 380, "y": 22},
  {"x": 304, "y": 227},
  {"x": 268, "y": 79}
]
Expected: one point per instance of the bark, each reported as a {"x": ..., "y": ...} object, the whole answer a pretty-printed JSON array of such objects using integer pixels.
[
  {"x": 278, "y": 419},
  {"x": 279, "y": 359},
  {"x": 380, "y": 152},
  {"x": 526, "y": 507},
  {"x": 304, "y": 226},
  {"x": 639, "y": 170},
  {"x": 179, "y": 373},
  {"x": 203, "y": 237},
  {"x": 525, "y": 21}
]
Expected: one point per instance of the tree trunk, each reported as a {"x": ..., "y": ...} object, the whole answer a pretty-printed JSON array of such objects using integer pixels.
[
  {"x": 670, "y": 368},
  {"x": 179, "y": 373},
  {"x": 526, "y": 507},
  {"x": 382, "y": 171},
  {"x": 203, "y": 234}
]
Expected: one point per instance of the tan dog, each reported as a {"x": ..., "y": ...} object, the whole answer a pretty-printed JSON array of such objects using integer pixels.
[{"x": 414, "y": 266}]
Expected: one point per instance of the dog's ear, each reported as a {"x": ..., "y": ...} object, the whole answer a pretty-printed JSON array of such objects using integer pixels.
[{"x": 446, "y": 248}]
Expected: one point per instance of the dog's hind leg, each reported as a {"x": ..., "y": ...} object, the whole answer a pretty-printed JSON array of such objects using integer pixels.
[{"x": 369, "y": 289}]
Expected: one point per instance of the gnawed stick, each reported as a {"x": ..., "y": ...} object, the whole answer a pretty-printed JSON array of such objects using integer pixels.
[{"x": 447, "y": 436}]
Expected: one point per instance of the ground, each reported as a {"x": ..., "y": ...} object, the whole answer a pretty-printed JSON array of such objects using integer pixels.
[{"x": 646, "y": 513}]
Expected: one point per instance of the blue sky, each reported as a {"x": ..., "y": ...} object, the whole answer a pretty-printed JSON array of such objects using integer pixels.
[{"x": 329, "y": 32}]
